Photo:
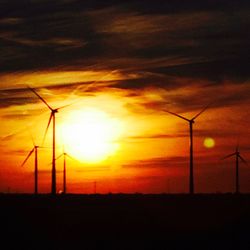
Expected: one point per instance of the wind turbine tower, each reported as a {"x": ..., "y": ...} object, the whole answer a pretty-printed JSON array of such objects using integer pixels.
[
  {"x": 65, "y": 155},
  {"x": 237, "y": 157},
  {"x": 191, "y": 122},
  {"x": 52, "y": 117},
  {"x": 34, "y": 149}
]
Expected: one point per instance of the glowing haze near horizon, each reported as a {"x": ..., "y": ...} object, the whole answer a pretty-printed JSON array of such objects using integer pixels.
[{"x": 120, "y": 65}]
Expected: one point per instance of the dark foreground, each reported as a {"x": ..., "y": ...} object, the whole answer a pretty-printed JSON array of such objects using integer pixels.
[{"x": 125, "y": 222}]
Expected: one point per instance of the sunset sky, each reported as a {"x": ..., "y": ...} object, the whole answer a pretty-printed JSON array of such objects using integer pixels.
[{"x": 120, "y": 64}]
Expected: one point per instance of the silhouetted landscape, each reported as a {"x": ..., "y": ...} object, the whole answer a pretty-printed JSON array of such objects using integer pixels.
[
  {"x": 125, "y": 124},
  {"x": 126, "y": 221}
]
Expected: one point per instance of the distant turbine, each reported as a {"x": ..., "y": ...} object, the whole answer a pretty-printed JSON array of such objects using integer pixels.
[
  {"x": 34, "y": 149},
  {"x": 65, "y": 155},
  {"x": 237, "y": 156},
  {"x": 190, "y": 121},
  {"x": 52, "y": 116},
  {"x": 94, "y": 187}
]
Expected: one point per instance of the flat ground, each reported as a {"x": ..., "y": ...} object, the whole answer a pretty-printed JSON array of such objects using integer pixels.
[{"x": 125, "y": 221}]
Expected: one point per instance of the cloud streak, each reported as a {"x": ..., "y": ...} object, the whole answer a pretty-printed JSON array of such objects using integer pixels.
[
  {"x": 102, "y": 32},
  {"x": 162, "y": 46}
]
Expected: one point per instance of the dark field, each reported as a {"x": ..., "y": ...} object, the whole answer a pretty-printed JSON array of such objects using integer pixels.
[{"x": 219, "y": 221}]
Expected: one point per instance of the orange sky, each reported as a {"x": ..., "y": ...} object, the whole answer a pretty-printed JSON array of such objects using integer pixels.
[
  {"x": 149, "y": 147},
  {"x": 119, "y": 66}
]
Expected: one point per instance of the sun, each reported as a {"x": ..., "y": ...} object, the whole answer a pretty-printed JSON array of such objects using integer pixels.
[{"x": 91, "y": 135}]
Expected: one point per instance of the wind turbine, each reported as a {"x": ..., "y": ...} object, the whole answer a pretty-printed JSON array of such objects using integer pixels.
[
  {"x": 34, "y": 149},
  {"x": 237, "y": 156},
  {"x": 52, "y": 117},
  {"x": 191, "y": 122},
  {"x": 65, "y": 155}
]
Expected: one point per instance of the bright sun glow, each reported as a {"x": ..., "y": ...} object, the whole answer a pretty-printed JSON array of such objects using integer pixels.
[{"x": 91, "y": 135}]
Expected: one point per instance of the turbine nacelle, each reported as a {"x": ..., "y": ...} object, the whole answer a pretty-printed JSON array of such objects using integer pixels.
[{"x": 54, "y": 111}]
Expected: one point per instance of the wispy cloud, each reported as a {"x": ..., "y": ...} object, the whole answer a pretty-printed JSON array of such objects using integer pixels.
[{"x": 94, "y": 32}]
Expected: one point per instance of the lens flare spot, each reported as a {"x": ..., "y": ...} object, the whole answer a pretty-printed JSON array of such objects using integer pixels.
[{"x": 209, "y": 142}]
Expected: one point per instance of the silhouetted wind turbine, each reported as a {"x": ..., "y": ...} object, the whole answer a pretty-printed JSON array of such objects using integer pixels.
[
  {"x": 52, "y": 117},
  {"x": 237, "y": 156},
  {"x": 34, "y": 149},
  {"x": 94, "y": 187},
  {"x": 191, "y": 122},
  {"x": 65, "y": 155}
]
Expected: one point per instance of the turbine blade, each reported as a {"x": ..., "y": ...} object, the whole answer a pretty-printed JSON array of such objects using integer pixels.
[
  {"x": 50, "y": 118},
  {"x": 237, "y": 147},
  {"x": 227, "y": 156},
  {"x": 32, "y": 138},
  {"x": 28, "y": 156},
  {"x": 40, "y": 98},
  {"x": 172, "y": 113},
  {"x": 72, "y": 158},
  {"x": 62, "y": 107},
  {"x": 243, "y": 160},
  {"x": 59, "y": 156},
  {"x": 200, "y": 112}
]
